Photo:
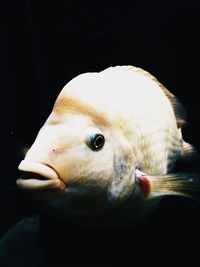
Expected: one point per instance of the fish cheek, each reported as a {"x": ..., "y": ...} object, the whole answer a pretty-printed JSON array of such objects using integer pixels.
[{"x": 123, "y": 176}]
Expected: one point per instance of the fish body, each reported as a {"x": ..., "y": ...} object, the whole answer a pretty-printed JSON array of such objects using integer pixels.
[{"x": 102, "y": 156}]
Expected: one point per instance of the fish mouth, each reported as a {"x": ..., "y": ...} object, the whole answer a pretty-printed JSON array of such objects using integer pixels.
[{"x": 36, "y": 175}]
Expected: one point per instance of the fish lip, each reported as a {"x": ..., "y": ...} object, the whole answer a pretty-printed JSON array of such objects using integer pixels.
[{"x": 49, "y": 176}]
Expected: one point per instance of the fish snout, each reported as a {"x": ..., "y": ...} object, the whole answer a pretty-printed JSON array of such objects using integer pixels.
[{"x": 36, "y": 175}]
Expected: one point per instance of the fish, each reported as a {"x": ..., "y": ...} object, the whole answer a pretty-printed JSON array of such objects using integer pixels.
[{"x": 105, "y": 155}]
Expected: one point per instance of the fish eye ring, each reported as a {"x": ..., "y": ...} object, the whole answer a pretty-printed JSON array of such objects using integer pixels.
[{"x": 96, "y": 142}]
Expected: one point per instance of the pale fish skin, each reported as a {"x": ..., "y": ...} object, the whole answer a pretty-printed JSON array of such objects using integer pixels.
[{"x": 140, "y": 121}]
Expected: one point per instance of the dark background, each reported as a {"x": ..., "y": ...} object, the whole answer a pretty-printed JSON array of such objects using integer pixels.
[{"x": 44, "y": 44}]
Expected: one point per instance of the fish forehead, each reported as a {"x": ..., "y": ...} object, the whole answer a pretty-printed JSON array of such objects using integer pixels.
[
  {"x": 109, "y": 87},
  {"x": 110, "y": 94},
  {"x": 69, "y": 107}
]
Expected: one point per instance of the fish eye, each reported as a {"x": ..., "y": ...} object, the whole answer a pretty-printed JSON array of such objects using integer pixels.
[{"x": 96, "y": 142}]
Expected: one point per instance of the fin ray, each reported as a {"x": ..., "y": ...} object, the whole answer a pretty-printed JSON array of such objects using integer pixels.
[
  {"x": 179, "y": 110},
  {"x": 190, "y": 153},
  {"x": 184, "y": 184}
]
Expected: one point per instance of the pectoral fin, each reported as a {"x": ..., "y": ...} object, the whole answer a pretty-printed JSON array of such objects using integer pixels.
[{"x": 184, "y": 184}]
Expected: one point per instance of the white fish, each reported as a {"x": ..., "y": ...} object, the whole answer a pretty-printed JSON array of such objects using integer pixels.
[{"x": 103, "y": 156}]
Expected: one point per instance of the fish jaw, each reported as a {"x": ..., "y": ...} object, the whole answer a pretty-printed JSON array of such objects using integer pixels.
[{"x": 36, "y": 175}]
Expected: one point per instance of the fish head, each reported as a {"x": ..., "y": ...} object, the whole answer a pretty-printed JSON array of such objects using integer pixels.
[{"x": 80, "y": 163}]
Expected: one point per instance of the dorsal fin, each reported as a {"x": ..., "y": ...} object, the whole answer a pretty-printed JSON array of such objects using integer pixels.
[
  {"x": 190, "y": 153},
  {"x": 178, "y": 108}
]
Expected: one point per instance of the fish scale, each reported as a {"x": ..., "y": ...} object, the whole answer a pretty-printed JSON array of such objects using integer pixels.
[{"x": 155, "y": 146}]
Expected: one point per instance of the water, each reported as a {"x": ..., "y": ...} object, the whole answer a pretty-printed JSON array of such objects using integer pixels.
[{"x": 43, "y": 46}]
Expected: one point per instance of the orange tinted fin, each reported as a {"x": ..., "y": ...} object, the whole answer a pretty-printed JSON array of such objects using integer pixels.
[
  {"x": 179, "y": 110},
  {"x": 189, "y": 153},
  {"x": 24, "y": 150}
]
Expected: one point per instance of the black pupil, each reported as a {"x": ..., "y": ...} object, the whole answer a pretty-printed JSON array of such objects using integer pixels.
[
  {"x": 95, "y": 142},
  {"x": 99, "y": 141}
]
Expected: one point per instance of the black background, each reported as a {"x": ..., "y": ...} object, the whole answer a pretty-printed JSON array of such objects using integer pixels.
[{"x": 44, "y": 44}]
